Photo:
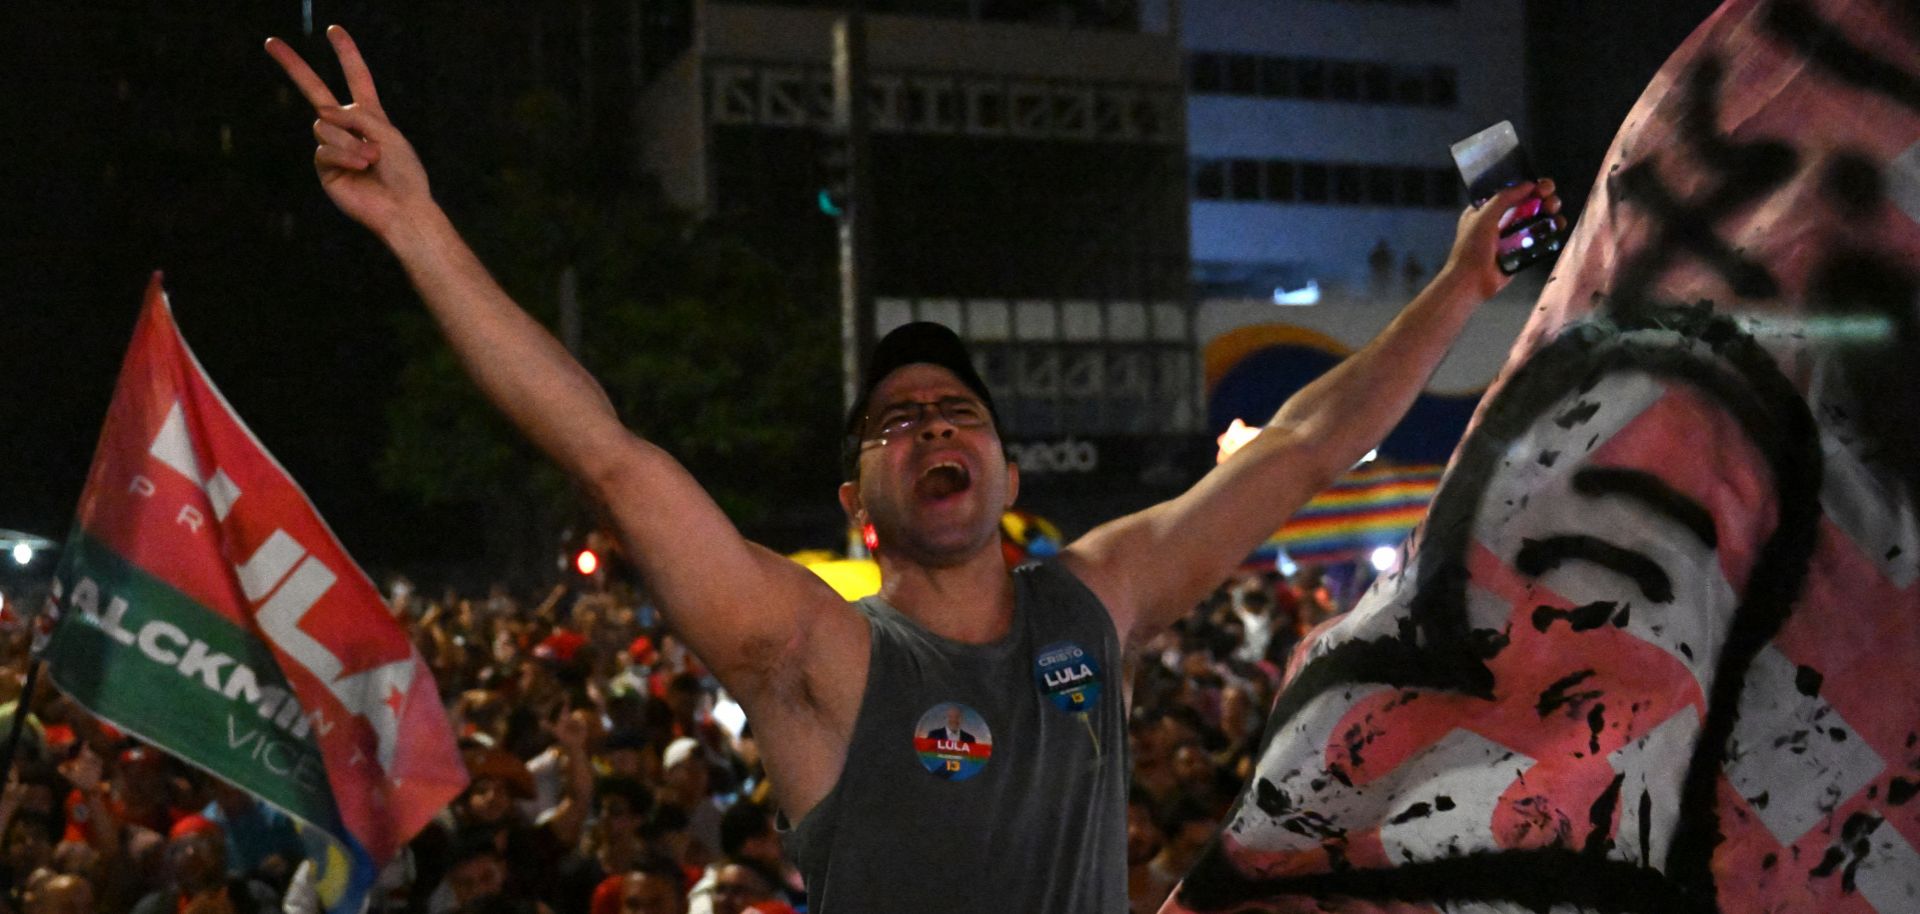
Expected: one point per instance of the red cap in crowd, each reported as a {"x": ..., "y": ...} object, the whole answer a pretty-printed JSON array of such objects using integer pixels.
[
  {"x": 559, "y": 647},
  {"x": 641, "y": 651},
  {"x": 606, "y": 895},
  {"x": 194, "y": 824}
]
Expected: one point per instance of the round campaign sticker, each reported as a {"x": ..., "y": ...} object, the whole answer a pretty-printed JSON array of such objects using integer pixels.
[
  {"x": 953, "y": 741},
  {"x": 1068, "y": 676}
]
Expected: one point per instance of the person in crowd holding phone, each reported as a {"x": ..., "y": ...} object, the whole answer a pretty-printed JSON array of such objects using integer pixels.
[{"x": 1034, "y": 817}]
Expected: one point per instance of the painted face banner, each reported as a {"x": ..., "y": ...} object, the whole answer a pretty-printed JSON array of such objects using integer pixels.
[
  {"x": 1658, "y": 645},
  {"x": 205, "y": 607}
]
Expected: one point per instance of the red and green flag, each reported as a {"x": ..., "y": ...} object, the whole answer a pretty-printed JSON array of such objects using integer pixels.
[{"x": 205, "y": 607}]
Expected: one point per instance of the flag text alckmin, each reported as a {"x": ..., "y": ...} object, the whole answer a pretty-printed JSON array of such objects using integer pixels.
[{"x": 205, "y": 607}]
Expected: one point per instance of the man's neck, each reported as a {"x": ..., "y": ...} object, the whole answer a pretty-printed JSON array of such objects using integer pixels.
[{"x": 971, "y": 602}]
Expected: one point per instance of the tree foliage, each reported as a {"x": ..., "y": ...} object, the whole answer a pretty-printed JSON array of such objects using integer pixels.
[{"x": 705, "y": 347}]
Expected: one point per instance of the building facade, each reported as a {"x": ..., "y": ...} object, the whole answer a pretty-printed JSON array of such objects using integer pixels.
[
  {"x": 1321, "y": 178},
  {"x": 1028, "y": 190},
  {"x": 1323, "y": 196},
  {"x": 1319, "y": 130}
]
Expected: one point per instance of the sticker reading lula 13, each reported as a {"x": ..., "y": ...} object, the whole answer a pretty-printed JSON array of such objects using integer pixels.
[
  {"x": 953, "y": 741},
  {"x": 1068, "y": 676}
]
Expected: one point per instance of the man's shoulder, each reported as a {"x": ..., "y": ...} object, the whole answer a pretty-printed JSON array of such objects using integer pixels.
[
  {"x": 1058, "y": 581},
  {"x": 1050, "y": 577}
]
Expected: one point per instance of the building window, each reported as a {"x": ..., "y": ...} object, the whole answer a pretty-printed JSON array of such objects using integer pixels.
[
  {"x": 1346, "y": 184},
  {"x": 1340, "y": 183},
  {"x": 986, "y": 109},
  {"x": 1243, "y": 74},
  {"x": 1343, "y": 81},
  {"x": 1243, "y": 179},
  {"x": 1380, "y": 186},
  {"x": 1413, "y": 187},
  {"x": 1204, "y": 73},
  {"x": 1313, "y": 183},
  {"x": 1276, "y": 78},
  {"x": 1310, "y": 76},
  {"x": 1410, "y": 88},
  {"x": 1073, "y": 114},
  {"x": 1441, "y": 90},
  {"x": 1367, "y": 82},
  {"x": 931, "y": 105},
  {"x": 1376, "y": 84},
  {"x": 1210, "y": 180},
  {"x": 1280, "y": 181}
]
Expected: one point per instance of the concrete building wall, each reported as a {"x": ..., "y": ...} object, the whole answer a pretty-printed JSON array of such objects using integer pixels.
[
  {"x": 675, "y": 109},
  {"x": 766, "y": 33},
  {"x": 1027, "y": 188}
]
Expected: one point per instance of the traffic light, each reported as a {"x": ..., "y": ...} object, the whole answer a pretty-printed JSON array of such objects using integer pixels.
[
  {"x": 836, "y": 168},
  {"x": 588, "y": 559}
]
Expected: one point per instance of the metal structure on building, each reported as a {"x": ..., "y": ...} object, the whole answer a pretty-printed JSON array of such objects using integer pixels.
[{"x": 1026, "y": 186}]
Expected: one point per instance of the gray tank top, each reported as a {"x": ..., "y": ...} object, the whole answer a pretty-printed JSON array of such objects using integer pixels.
[{"x": 981, "y": 777}]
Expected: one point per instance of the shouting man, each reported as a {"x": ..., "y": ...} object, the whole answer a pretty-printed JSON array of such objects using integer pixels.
[{"x": 1028, "y": 813}]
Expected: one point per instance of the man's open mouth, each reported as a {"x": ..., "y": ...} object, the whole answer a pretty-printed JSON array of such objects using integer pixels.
[{"x": 942, "y": 480}]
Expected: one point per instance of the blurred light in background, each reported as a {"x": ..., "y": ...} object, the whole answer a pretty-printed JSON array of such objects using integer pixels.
[
  {"x": 1308, "y": 294},
  {"x": 1383, "y": 558}
]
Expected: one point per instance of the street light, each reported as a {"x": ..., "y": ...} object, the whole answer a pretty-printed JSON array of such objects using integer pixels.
[{"x": 23, "y": 547}]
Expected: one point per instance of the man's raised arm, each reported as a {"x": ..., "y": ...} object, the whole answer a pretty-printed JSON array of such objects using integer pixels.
[
  {"x": 741, "y": 607},
  {"x": 1153, "y": 566}
]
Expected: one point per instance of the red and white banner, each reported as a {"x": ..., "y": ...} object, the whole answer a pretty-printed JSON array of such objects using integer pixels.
[{"x": 208, "y": 608}]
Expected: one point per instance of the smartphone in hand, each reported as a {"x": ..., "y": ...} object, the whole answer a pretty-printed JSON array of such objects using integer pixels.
[{"x": 1493, "y": 159}]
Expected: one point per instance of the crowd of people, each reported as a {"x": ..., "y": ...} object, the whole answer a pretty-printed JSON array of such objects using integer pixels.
[{"x": 609, "y": 773}]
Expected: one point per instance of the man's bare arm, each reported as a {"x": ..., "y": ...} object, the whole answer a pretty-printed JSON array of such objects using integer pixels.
[
  {"x": 745, "y": 610},
  {"x": 1153, "y": 566}
]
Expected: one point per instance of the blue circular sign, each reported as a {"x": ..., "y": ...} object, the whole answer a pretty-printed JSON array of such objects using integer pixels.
[{"x": 1069, "y": 676}]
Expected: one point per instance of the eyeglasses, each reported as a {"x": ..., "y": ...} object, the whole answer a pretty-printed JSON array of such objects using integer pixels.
[{"x": 900, "y": 420}]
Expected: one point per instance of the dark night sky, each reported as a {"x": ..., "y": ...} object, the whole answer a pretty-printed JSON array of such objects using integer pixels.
[{"x": 112, "y": 170}]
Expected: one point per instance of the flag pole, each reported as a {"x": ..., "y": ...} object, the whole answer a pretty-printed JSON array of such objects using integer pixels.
[{"x": 19, "y": 719}]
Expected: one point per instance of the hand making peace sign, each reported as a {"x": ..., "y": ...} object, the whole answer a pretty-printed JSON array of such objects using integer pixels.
[{"x": 366, "y": 166}]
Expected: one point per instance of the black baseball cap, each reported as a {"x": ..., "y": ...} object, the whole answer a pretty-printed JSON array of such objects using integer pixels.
[{"x": 910, "y": 344}]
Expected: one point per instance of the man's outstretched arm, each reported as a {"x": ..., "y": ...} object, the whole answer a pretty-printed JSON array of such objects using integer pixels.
[
  {"x": 1153, "y": 566},
  {"x": 748, "y": 612}
]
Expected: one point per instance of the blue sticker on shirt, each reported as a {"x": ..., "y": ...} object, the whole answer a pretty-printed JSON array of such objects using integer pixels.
[{"x": 1068, "y": 676}]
